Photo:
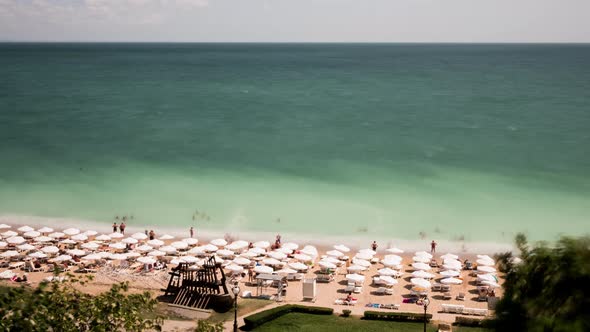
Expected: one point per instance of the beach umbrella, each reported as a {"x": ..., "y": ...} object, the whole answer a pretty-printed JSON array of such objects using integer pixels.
[
  {"x": 9, "y": 234},
  {"x": 298, "y": 266},
  {"x": 387, "y": 272},
  {"x": 388, "y": 280},
  {"x": 257, "y": 251},
  {"x": 423, "y": 253},
  {"x": 146, "y": 260},
  {"x": 332, "y": 260},
  {"x": 365, "y": 256},
  {"x": 90, "y": 245},
  {"x": 452, "y": 267},
  {"x": 451, "y": 281},
  {"x": 15, "y": 240},
  {"x": 50, "y": 250},
  {"x": 166, "y": 237},
  {"x": 356, "y": 268},
  {"x": 144, "y": 248},
  {"x": 393, "y": 258},
  {"x": 249, "y": 254},
  {"x": 486, "y": 269},
  {"x": 290, "y": 245},
  {"x": 156, "y": 253},
  {"x": 285, "y": 250},
  {"x": 327, "y": 265},
  {"x": 189, "y": 259},
  {"x": 237, "y": 245},
  {"x": 9, "y": 253},
  {"x": 104, "y": 254},
  {"x": 116, "y": 236},
  {"x": 155, "y": 243},
  {"x": 394, "y": 250},
  {"x": 31, "y": 234},
  {"x": 79, "y": 237},
  {"x": 341, "y": 248},
  {"x": 25, "y": 247},
  {"x": 133, "y": 254},
  {"x": 487, "y": 277},
  {"x": 37, "y": 254},
  {"x": 361, "y": 262},
  {"x": 421, "y": 259},
  {"x": 139, "y": 236},
  {"x": 286, "y": 271},
  {"x": 420, "y": 282},
  {"x": 62, "y": 258},
  {"x": 3, "y": 244},
  {"x": 491, "y": 283},
  {"x": 43, "y": 239},
  {"x": 485, "y": 262},
  {"x": 262, "y": 244},
  {"x": 450, "y": 273},
  {"x": 56, "y": 235},
  {"x": 191, "y": 241},
  {"x": 271, "y": 261},
  {"x": 45, "y": 230},
  {"x": 197, "y": 251},
  {"x": 421, "y": 266},
  {"x": 90, "y": 233},
  {"x": 391, "y": 263},
  {"x": 4, "y": 226},
  {"x": 241, "y": 261},
  {"x": 309, "y": 250},
  {"x": 168, "y": 249},
  {"x": 484, "y": 257},
  {"x": 92, "y": 257},
  {"x": 118, "y": 257},
  {"x": 334, "y": 253},
  {"x": 277, "y": 255},
  {"x": 210, "y": 248},
  {"x": 422, "y": 274},
  {"x": 225, "y": 253},
  {"x": 449, "y": 256},
  {"x": 76, "y": 252},
  {"x": 234, "y": 268},
  {"x": 218, "y": 242},
  {"x": 302, "y": 257},
  {"x": 71, "y": 231},
  {"x": 175, "y": 261},
  {"x": 129, "y": 240},
  {"x": 263, "y": 269},
  {"x": 103, "y": 237},
  {"x": 68, "y": 241},
  {"x": 355, "y": 277},
  {"x": 117, "y": 246},
  {"x": 25, "y": 229},
  {"x": 370, "y": 252}
]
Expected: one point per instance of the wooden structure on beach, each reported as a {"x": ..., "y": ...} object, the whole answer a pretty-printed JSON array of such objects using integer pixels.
[{"x": 203, "y": 288}]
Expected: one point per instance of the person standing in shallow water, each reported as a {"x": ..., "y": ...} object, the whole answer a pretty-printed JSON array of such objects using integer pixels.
[
  {"x": 192, "y": 231},
  {"x": 374, "y": 246},
  {"x": 122, "y": 227},
  {"x": 432, "y": 247},
  {"x": 114, "y": 227}
]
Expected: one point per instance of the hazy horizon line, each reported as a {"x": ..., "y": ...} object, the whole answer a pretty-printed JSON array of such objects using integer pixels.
[{"x": 285, "y": 42}]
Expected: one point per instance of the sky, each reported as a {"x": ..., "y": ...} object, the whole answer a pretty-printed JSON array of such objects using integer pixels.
[{"x": 296, "y": 20}]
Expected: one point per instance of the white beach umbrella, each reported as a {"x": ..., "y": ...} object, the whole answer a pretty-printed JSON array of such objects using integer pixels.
[
  {"x": 199, "y": 251},
  {"x": 355, "y": 277},
  {"x": 25, "y": 247},
  {"x": 133, "y": 254},
  {"x": 117, "y": 246},
  {"x": 420, "y": 282},
  {"x": 144, "y": 248},
  {"x": 43, "y": 239},
  {"x": 393, "y": 258},
  {"x": 31, "y": 234},
  {"x": 452, "y": 267},
  {"x": 450, "y": 273},
  {"x": 3, "y": 244},
  {"x": 62, "y": 258},
  {"x": 45, "y": 230},
  {"x": 239, "y": 244},
  {"x": 491, "y": 283},
  {"x": 67, "y": 241},
  {"x": 422, "y": 274},
  {"x": 302, "y": 257},
  {"x": 327, "y": 265},
  {"x": 129, "y": 240},
  {"x": 271, "y": 261},
  {"x": 56, "y": 235},
  {"x": 421, "y": 266},
  {"x": 361, "y": 262},
  {"x": 249, "y": 254},
  {"x": 90, "y": 233},
  {"x": 25, "y": 229},
  {"x": 191, "y": 241},
  {"x": 76, "y": 252},
  {"x": 257, "y": 251},
  {"x": 262, "y": 244},
  {"x": 365, "y": 256},
  {"x": 310, "y": 250},
  {"x": 156, "y": 253},
  {"x": 485, "y": 262},
  {"x": 118, "y": 257},
  {"x": 189, "y": 259},
  {"x": 394, "y": 250},
  {"x": 92, "y": 257},
  {"x": 451, "y": 261},
  {"x": 79, "y": 237},
  {"x": 423, "y": 253},
  {"x": 284, "y": 250},
  {"x": 116, "y": 236},
  {"x": 139, "y": 236},
  {"x": 37, "y": 254},
  {"x": 146, "y": 260},
  {"x": 484, "y": 257},
  {"x": 15, "y": 240},
  {"x": 218, "y": 242},
  {"x": 449, "y": 256},
  {"x": 421, "y": 259},
  {"x": 263, "y": 269},
  {"x": 290, "y": 245},
  {"x": 486, "y": 269},
  {"x": 341, "y": 248},
  {"x": 241, "y": 261},
  {"x": 225, "y": 253},
  {"x": 155, "y": 243},
  {"x": 71, "y": 231},
  {"x": 367, "y": 251},
  {"x": 50, "y": 250},
  {"x": 388, "y": 280},
  {"x": 332, "y": 260},
  {"x": 4, "y": 226},
  {"x": 298, "y": 266},
  {"x": 104, "y": 254},
  {"x": 451, "y": 281},
  {"x": 391, "y": 263},
  {"x": 168, "y": 249},
  {"x": 175, "y": 261},
  {"x": 103, "y": 237},
  {"x": 335, "y": 253},
  {"x": 9, "y": 253},
  {"x": 234, "y": 268},
  {"x": 166, "y": 237},
  {"x": 356, "y": 268},
  {"x": 487, "y": 277},
  {"x": 9, "y": 234},
  {"x": 286, "y": 271},
  {"x": 387, "y": 272},
  {"x": 90, "y": 245},
  {"x": 210, "y": 248},
  {"x": 277, "y": 255}
]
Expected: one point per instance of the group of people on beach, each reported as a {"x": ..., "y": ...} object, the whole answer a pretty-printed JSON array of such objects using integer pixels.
[{"x": 121, "y": 227}]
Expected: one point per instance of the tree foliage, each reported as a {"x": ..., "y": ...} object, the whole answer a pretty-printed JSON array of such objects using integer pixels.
[
  {"x": 549, "y": 290},
  {"x": 207, "y": 326},
  {"x": 59, "y": 306}
]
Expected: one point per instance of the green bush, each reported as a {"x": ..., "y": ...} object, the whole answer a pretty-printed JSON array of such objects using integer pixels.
[
  {"x": 396, "y": 316},
  {"x": 262, "y": 317},
  {"x": 473, "y": 322},
  {"x": 346, "y": 312}
]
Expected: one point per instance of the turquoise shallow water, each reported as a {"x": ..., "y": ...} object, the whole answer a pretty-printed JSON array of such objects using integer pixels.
[{"x": 456, "y": 141}]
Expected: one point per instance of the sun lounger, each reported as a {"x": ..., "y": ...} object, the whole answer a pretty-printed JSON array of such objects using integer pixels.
[
  {"x": 16, "y": 265},
  {"x": 344, "y": 302},
  {"x": 445, "y": 288},
  {"x": 461, "y": 297},
  {"x": 390, "y": 306},
  {"x": 436, "y": 287},
  {"x": 29, "y": 267},
  {"x": 325, "y": 278},
  {"x": 349, "y": 289},
  {"x": 358, "y": 289},
  {"x": 447, "y": 296},
  {"x": 384, "y": 291}
]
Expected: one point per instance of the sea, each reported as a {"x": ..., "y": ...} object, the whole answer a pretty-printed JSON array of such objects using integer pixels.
[{"x": 402, "y": 143}]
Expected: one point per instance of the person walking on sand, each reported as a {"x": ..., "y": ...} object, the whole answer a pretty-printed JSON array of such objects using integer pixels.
[
  {"x": 432, "y": 247},
  {"x": 122, "y": 227},
  {"x": 192, "y": 231},
  {"x": 115, "y": 227},
  {"x": 374, "y": 246},
  {"x": 152, "y": 235}
]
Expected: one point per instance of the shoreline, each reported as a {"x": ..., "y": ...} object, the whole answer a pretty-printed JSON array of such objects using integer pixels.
[{"x": 321, "y": 241}]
